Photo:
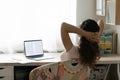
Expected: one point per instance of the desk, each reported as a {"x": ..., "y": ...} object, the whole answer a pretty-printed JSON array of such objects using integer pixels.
[
  {"x": 19, "y": 59},
  {"x": 14, "y": 59},
  {"x": 9, "y": 61},
  {"x": 109, "y": 59},
  {"x": 13, "y": 65}
]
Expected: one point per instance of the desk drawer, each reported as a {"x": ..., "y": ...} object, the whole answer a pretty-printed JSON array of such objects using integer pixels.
[
  {"x": 6, "y": 78},
  {"x": 6, "y": 73}
]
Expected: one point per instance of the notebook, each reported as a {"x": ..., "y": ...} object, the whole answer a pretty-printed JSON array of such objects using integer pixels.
[{"x": 33, "y": 49}]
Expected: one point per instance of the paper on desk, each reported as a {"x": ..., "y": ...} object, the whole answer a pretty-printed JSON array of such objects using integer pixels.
[{"x": 22, "y": 59}]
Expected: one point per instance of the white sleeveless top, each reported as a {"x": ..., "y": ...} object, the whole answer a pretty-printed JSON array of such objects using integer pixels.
[{"x": 73, "y": 53}]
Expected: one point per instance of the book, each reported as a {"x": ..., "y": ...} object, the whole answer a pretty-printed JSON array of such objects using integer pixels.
[{"x": 108, "y": 43}]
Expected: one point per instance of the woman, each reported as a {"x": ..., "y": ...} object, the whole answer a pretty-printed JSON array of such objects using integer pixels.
[{"x": 88, "y": 50}]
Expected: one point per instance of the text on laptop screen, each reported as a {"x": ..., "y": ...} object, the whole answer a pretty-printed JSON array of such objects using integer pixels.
[{"x": 33, "y": 47}]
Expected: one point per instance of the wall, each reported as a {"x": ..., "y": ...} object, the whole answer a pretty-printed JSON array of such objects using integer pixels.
[{"x": 86, "y": 9}]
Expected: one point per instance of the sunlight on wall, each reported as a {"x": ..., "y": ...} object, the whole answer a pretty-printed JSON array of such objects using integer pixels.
[{"x": 34, "y": 19}]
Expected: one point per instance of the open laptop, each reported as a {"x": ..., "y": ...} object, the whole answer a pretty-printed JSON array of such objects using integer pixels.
[{"x": 33, "y": 49}]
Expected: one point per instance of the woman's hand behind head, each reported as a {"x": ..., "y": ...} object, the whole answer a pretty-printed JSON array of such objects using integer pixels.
[{"x": 92, "y": 36}]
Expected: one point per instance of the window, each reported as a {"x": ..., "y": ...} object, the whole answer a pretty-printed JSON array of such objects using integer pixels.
[
  {"x": 100, "y": 7},
  {"x": 34, "y": 19}
]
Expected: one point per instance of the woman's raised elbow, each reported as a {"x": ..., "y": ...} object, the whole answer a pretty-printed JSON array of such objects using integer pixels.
[{"x": 63, "y": 25}]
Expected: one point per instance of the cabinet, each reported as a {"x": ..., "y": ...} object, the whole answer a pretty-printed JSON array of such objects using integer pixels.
[
  {"x": 100, "y": 7},
  {"x": 113, "y": 12},
  {"x": 6, "y": 73},
  {"x": 109, "y": 9}
]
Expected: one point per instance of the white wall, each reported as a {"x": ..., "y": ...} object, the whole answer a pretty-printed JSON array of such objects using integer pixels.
[{"x": 87, "y": 9}]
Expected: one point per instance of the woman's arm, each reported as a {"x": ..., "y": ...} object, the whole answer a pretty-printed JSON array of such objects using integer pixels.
[
  {"x": 68, "y": 28},
  {"x": 101, "y": 25}
]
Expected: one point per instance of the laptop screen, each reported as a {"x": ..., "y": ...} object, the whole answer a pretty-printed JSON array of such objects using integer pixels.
[{"x": 33, "y": 47}]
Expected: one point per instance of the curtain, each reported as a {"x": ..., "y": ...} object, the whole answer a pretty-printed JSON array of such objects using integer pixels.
[{"x": 34, "y": 19}]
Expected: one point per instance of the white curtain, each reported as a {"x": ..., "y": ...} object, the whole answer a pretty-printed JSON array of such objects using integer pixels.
[{"x": 34, "y": 19}]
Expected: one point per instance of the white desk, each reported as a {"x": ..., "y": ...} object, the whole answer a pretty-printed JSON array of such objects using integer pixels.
[
  {"x": 9, "y": 61},
  {"x": 19, "y": 59},
  {"x": 16, "y": 59},
  {"x": 109, "y": 59}
]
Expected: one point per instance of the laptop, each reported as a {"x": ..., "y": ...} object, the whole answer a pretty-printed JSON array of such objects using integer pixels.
[{"x": 33, "y": 49}]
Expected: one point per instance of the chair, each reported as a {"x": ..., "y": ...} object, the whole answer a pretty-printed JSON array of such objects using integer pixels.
[{"x": 66, "y": 70}]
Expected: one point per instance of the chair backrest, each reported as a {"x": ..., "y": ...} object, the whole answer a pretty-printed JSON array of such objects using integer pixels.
[{"x": 66, "y": 70}]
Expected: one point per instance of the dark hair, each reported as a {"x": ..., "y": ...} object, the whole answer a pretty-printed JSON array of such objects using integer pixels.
[{"x": 89, "y": 49}]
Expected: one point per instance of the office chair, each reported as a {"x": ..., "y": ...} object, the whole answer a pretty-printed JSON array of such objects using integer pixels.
[{"x": 65, "y": 70}]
